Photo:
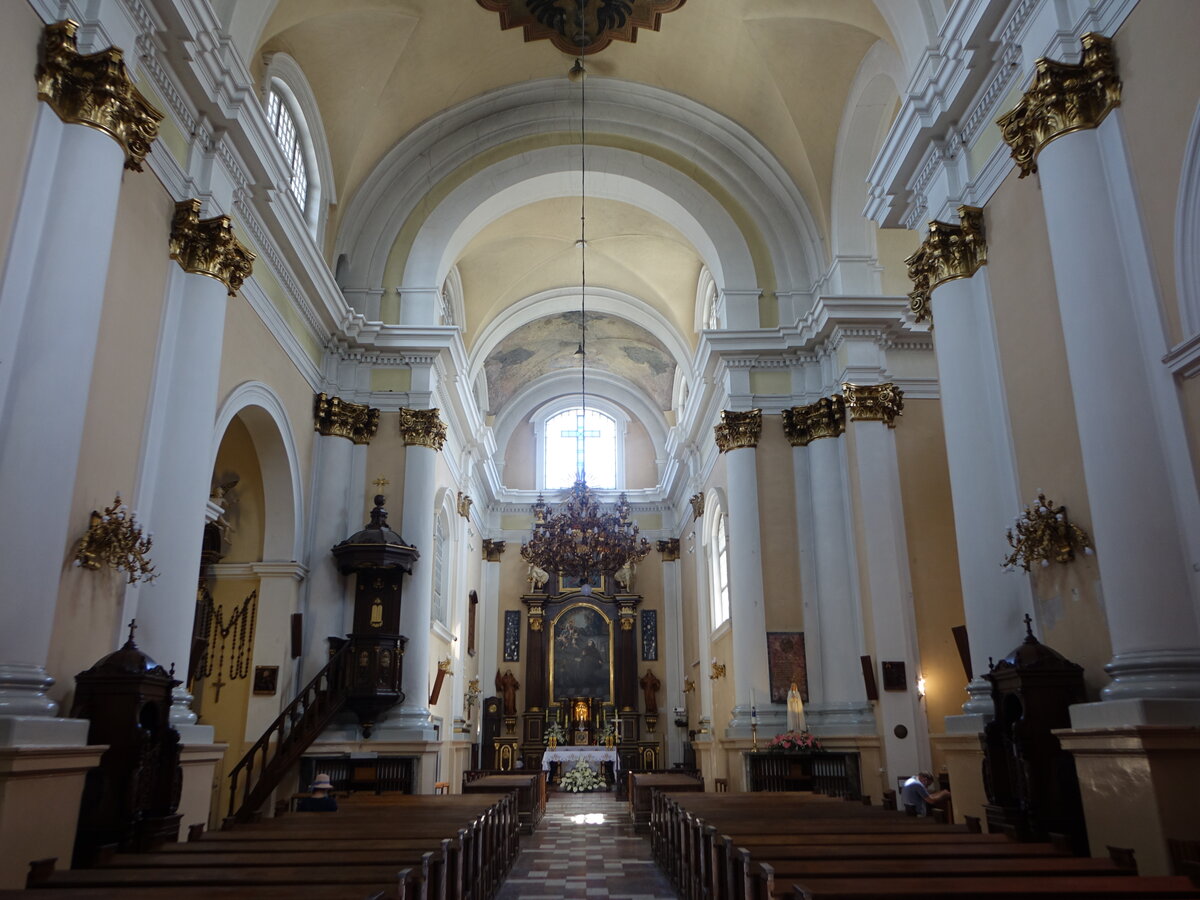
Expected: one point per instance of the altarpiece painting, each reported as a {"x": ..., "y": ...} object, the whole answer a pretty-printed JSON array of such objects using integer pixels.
[{"x": 581, "y": 654}]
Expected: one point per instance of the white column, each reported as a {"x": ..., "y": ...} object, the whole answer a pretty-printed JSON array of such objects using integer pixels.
[
  {"x": 1138, "y": 523},
  {"x": 336, "y": 514},
  {"x": 489, "y": 629},
  {"x": 885, "y": 548},
  {"x": 983, "y": 481},
  {"x": 670, "y": 650},
  {"x": 416, "y": 611},
  {"x": 747, "y": 609},
  {"x": 842, "y": 706},
  {"x": 701, "y": 693},
  {"x": 278, "y": 598},
  {"x": 176, "y": 471},
  {"x": 50, "y": 304}
]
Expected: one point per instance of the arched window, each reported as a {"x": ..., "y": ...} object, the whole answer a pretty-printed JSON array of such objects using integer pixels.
[
  {"x": 718, "y": 560},
  {"x": 441, "y": 567},
  {"x": 283, "y": 123},
  {"x": 580, "y": 440},
  {"x": 294, "y": 119}
]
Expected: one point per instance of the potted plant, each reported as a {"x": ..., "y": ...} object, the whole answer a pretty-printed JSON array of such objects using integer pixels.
[
  {"x": 581, "y": 778},
  {"x": 608, "y": 733},
  {"x": 794, "y": 742},
  {"x": 553, "y": 734}
]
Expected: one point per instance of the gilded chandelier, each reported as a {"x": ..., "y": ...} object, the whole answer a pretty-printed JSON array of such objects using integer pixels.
[
  {"x": 115, "y": 539},
  {"x": 580, "y": 538},
  {"x": 1044, "y": 533}
]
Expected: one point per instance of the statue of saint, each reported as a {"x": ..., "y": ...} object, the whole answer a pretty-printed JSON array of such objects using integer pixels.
[
  {"x": 538, "y": 576},
  {"x": 506, "y": 686},
  {"x": 650, "y": 686}
]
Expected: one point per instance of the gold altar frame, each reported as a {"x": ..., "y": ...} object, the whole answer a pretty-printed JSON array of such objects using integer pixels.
[{"x": 566, "y": 610}]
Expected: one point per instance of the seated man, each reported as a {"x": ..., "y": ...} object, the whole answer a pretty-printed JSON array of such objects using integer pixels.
[
  {"x": 322, "y": 799},
  {"x": 915, "y": 793}
]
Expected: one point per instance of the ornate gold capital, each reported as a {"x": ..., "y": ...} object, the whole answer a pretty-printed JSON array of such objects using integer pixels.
[
  {"x": 335, "y": 417},
  {"x": 697, "y": 501},
  {"x": 950, "y": 251},
  {"x": 669, "y": 549},
  {"x": 422, "y": 427},
  {"x": 804, "y": 424},
  {"x": 738, "y": 429},
  {"x": 1063, "y": 98},
  {"x": 873, "y": 402},
  {"x": 493, "y": 550},
  {"x": 208, "y": 247},
  {"x": 95, "y": 90},
  {"x": 464, "y": 505}
]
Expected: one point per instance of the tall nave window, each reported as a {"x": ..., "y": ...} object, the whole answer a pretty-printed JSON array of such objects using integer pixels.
[
  {"x": 287, "y": 136},
  {"x": 579, "y": 440}
]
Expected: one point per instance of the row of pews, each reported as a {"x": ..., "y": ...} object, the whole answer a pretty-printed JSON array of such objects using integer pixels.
[
  {"x": 381, "y": 847},
  {"x": 797, "y": 845}
]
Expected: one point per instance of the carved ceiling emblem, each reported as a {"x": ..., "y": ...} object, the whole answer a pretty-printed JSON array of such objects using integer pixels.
[{"x": 581, "y": 26}]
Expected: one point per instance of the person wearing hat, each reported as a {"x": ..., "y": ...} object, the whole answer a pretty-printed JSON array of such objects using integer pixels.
[{"x": 322, "y": 799}]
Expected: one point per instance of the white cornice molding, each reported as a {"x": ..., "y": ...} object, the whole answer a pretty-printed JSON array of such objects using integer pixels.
[
  {"x": 984, "y": 48},
  {"x": 260, "y": 570}
]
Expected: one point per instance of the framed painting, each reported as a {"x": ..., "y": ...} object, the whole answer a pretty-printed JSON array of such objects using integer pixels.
[
  {"x": 266, "y": 679},
  {"x": 895, "y": 677},
  {"x": 786, "y": 663},
  {"x": 568, "y": 583},
  {"x": 512, "y": 635},
  {"x": 581, "y": 654},
  {"x": 649, "y": 635}
]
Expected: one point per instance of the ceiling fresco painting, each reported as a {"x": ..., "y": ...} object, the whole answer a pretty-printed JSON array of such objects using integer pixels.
[{"x": 614, "y": 345}]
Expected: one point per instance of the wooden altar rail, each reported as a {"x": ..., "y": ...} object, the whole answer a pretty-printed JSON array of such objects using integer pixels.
[
  {"x": 756, "y": 846},
  {"x": 428, "y": 848},
  {"x": 529, "y": 786}
]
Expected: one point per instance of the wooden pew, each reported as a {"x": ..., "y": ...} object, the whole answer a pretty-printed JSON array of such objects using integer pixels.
[{"x": 997, "y": 888}]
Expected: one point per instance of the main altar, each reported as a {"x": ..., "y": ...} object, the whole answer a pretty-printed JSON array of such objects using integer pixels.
[{"x": 581, "y": 671}]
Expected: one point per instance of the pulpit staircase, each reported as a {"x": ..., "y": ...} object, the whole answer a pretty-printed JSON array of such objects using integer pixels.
[{"x": 285, "y": 740}]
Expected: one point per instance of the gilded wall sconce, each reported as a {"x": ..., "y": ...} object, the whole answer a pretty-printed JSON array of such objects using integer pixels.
[
  {"x": 688, "y": 685},
  {"x": 115, "y": 539},
  {"x": 1043, "y": 533},
  {"x": 718, "y": 670}
]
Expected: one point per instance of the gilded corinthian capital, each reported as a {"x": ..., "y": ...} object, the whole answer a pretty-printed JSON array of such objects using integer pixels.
[
  {"x": 950, "y": 251},
  {"x": 1062, "y": 99},
  {"x": 208, "y": 247},
  {"x": 804, "y": 424},
  {"x": 335, "y": 417},
  {"x": 873, "y": 402},
  {"x": 95, "y": 90},
  {"x": 738, "y": 429},
  {"x": 422, "y": 427}
]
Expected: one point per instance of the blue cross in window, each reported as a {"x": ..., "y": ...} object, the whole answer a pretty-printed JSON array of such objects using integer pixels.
[{"x": 581, "y": 435}]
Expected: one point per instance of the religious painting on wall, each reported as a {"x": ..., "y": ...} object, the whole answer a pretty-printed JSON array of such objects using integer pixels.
[
  {"x": 649, "y": 635},
  {"x": 512, "y": 635},
  {"x": 581, "y": 654},
  {"x": 786, "y": 663},
  {"x": 593, "y": 580}
]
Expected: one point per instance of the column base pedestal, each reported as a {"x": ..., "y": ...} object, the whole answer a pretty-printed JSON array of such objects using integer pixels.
[
  {"x": 40, "y": 790},
  {"x": 961, "y": 748},
  {"x": 1134, "y": 784}
]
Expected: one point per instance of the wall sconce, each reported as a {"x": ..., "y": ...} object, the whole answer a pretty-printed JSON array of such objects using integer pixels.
[
  {"x": 115, "y": 539},
  {"x": 471, "y": 695},
  {"x": 688, "y": 685},
  {"x": 444, "y": 665},
  {"x": 921, "y": 686},
  {"x": 1043, "y": 533},
  {"x": 718, "y": 670}
]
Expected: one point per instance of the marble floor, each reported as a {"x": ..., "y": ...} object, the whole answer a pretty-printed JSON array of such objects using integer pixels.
[{"x": 585, "y": 846}]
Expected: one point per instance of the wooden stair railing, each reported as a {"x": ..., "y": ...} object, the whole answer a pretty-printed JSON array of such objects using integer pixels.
[{"x": 285, "y": 740}]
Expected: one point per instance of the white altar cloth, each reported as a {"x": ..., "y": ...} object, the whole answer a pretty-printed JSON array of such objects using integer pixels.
[{"x": 594, "y": 756}]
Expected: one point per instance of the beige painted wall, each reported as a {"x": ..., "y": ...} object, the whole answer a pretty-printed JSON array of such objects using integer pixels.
[
  {"x": 236, "y": 457},
  {"x": 89, "y": 604},
  {"x": 777, "y": 524},
  {"x": 1159, "y": 68},
  {"x": 1069, "y": 613},
  {"x": 520, "y": 459},
  {"x": 251, "y": 353},
  {"x": 19, "y": 107},
  {"x": 386, "y": 455},
  {"x": 932, "y": 557}
]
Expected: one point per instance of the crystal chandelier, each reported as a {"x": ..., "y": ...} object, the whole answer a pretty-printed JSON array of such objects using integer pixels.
[{"x": 580, "y": 538}]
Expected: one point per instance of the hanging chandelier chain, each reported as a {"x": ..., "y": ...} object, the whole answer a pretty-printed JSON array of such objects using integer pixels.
[{"x": 583, "y": 248}]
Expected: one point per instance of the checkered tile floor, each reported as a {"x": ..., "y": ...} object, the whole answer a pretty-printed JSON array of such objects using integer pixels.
[{"x": 585, "y": 847}]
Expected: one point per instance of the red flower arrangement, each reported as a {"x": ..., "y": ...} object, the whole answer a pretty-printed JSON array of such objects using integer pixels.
[{"x": 795, "y": 742}]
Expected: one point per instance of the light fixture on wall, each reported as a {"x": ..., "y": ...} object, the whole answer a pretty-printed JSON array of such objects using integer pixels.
[
  {"x": 1044, "y": 533},
  {"x": 718, "y": 670},
  {"x": 115, "y": 539},
  {"x": 581, "y": 539},
  {"x": 921, "y": 686}
]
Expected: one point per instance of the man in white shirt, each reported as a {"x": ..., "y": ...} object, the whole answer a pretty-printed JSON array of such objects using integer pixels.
[{"x": 915, "y": 793}]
